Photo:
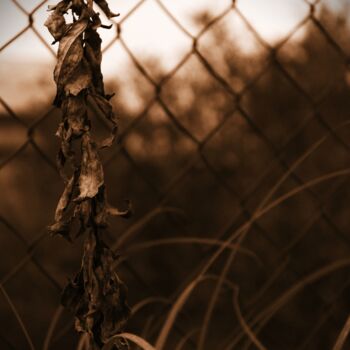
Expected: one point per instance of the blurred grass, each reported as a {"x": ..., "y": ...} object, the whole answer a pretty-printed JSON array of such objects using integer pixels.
[{"x": 271, "y": 158}]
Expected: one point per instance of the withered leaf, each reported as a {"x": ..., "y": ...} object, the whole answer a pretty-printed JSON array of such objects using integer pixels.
[
  {"x": 76, "y": 114},
  {"x": 91, "y": 173},
  {"x": 94, "y": 57},
  {"x": 61, "y": 7},
  {"x": 123, "y": 213},
  {"x": 73, "y": 291},
  {"x": 104, "y": 210},
  {"x": 62, "y": 224},
  {"x": 105, "y": 106},
  {"x": 56, "y": 25},
  {"x": 70, "y": 53},
  {"x": 65, "y": 199},
  {"x": 60, "y": 161},
  {"x": 105, "y": 8},
  {"x": 83, "y": 211},
  {"x": 66, "y": 146},
  {"x": 64, "y": 132},
  {"x": 80, "y": 79},
  {"x": 61, "y": 228},
  {"x": 96, "y": 294}
]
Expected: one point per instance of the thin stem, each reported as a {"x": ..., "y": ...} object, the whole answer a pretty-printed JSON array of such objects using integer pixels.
[{"x": 18, "y": 318}]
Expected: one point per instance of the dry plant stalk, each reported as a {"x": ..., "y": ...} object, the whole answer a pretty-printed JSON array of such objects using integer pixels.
[{"x": 96, "y": 294}]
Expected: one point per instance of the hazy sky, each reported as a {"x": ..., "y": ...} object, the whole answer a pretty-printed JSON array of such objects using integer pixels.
[{"x": 148, "y": 32}]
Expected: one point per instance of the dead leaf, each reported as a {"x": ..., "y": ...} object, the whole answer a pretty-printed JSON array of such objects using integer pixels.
[
  {"x": 91, "y": 173},
  {"x": 96, "y": 294},
  {"x": 106, "y": 108},
  {"x": 93, "y": 56},
  {"x": 80, "y": 79},
  {"x": 70, "y": 54},
  {"x": 105, "y": 8},
  {"x": 123, "y": 213},
  {"x": 65, "y": 199},
  {"x": 75, "y": 112},
  {"x": 56, "y": 25}
]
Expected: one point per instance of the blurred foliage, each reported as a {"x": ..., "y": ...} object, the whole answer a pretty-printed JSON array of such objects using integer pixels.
[{"x": 213, "y": 155}]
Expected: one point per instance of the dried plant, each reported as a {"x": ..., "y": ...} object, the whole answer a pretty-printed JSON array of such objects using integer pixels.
[{"x": 96, "y": 294}]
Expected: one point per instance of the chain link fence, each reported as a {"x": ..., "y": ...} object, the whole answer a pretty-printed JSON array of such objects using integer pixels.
[{"x": 211, "y": 137}]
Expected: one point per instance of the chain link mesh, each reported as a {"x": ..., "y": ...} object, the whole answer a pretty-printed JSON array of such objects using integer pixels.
[{"x": 299, "y": 237}]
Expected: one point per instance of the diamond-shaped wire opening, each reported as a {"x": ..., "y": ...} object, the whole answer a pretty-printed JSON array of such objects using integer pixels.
[
  {"x": 227, "y": 150},
  {"x": 310, "y": 65},
  {"x": 31, "y": 5},
  {"x": 13, "y": 136},
  {"x": 194, "y": 17},
  {"x": 12, "y": 19},
  {"x": 43, "y": 130},
  {"x": 153, "y": 49},
  {"x": 263, "y": 20},
  {"x": 238, "y": 56},
  {"x": 36, "y": 288},
  {"x": 13, "y": 246},
  {"x": 31, "y": 89},
  {"x": 32, "y": 186},
  {"x": 133, "y": 91},
  {"x": 153, "y": 139},
  {"x": 332, "y": 21},
  {"x": 275, "y": 106},
  {"x": 336, "y": 209},
  {"x": 187, "y": 92}
]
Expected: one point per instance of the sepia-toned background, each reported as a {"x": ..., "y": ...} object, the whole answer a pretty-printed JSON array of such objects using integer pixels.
[{"x": 217, "y": 102}]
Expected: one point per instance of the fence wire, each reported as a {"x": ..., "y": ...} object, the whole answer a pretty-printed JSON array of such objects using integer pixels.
[{"x": 322, "y": 237}]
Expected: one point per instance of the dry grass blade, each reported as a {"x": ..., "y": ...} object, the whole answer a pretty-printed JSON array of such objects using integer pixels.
[
  {"x": 339, "y": 344},
  {"x": 181, "y": 300},
  {"x": 191, "y": 240},
  {"x": 83, "y": 342},
  {"x": 298, "y": 162},
  {"x": 143, "y": 222},
  {"x": 142, "y": 343},
  {"x": 147, "y": 326},
  {"x": 244, "y": 324},
  {"x": 18, "y": 317},
  {"x": 258, "y": 295},
  {"x": 137, "y": 307},
  {"x": 185, "y": 339},
  {"x": 213, "y": 299},
  {"x": 241, "y": 232},
  {"x": 52, "y": 327},
  {"x": 263, "y": 317},
  {"x": 286, "y": 196},
  {"x": 163, "y": 335},
  {"x": 309, "y": 184},
  {"x": 269, "y": 282}
]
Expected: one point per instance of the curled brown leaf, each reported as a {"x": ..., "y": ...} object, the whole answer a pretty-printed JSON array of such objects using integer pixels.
[
  {"x": 70, "y": 55},
  {"x": 105, "y": 8},
  {"x": 91, "y": 173}
]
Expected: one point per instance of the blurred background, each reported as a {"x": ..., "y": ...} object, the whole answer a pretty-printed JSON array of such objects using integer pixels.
[{"x": 217, "y": 101}]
